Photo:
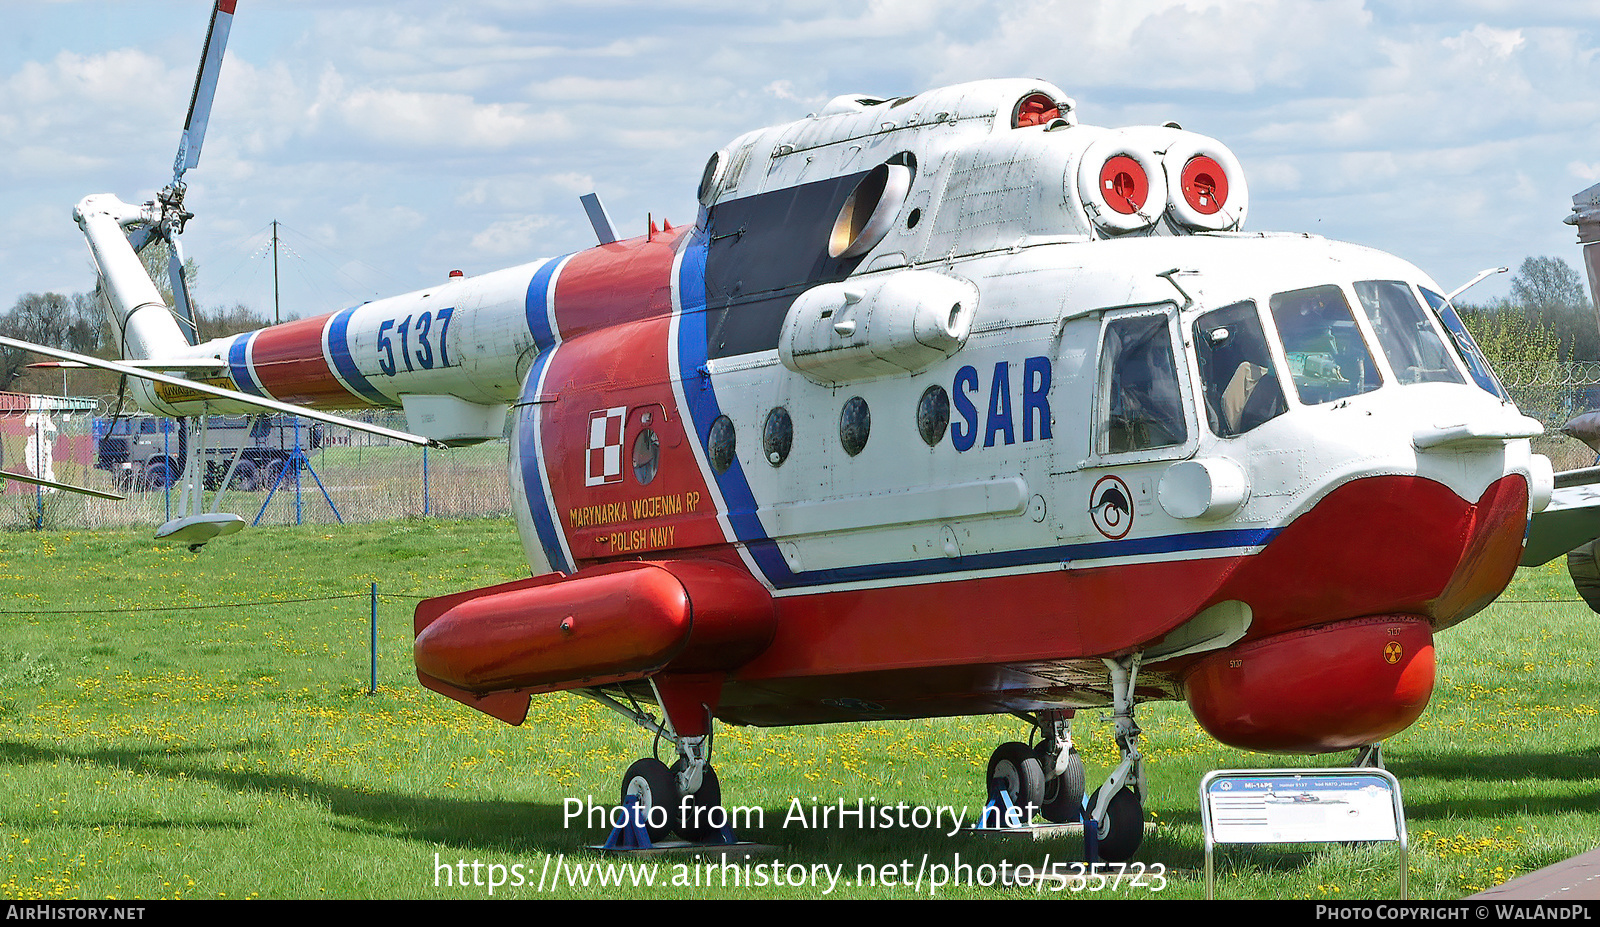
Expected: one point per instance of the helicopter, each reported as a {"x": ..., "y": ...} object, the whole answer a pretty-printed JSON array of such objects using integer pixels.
[{"x": 944, "y": 404}]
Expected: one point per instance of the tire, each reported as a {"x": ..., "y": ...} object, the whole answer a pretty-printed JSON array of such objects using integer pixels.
[
  {"x": 158, "y": 475},
  {"x": 1017, "y": 769},
  {"x": 1124, "y": 826},
  {"x": 698, "y": 822},
  {"x": 656, "y": 787},
  {"x": 1063, "y": 794},
  {"x": 245, "y": 477}
]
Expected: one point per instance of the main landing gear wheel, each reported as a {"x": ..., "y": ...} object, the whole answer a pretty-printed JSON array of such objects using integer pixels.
[
  {"x": 1063, "y": 794},
  {"x": 700, "y": 811},
  {"x": 1016, "y": 768},
  {"x": 653, "y": 784},
  {"x": 1124, "y": 827}
]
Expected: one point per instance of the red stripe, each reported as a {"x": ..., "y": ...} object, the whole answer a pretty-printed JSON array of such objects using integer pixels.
[
  {"x": 621, "y": 282},
  {"x": 289, "y": 364}
]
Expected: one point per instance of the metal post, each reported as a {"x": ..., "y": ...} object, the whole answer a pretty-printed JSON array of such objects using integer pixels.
[
  {"x": 295, "y": 462},
  {"x": 166, "y": 453},
  {"x": 426, "y": 507},
  {"x": 372, "y": 686},
  {"x": 38, "y": 469}
]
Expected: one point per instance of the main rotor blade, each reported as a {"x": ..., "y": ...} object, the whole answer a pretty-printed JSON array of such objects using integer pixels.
[
  {"x": 39, "y": 481},
  {"x": 180, "y": 290},
  {"x": 220, "y": 393},
  {"x": 205, "y": 88}
]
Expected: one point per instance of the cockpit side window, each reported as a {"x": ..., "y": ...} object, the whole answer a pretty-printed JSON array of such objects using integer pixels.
[
  {"x": 1409, "y": 341},
  {"x": 1328, "y": 358},
  {"x": 1139, "y": 376},
  {"x": 1477, "y": 364},
  {"x": 1241, "y": 383}
]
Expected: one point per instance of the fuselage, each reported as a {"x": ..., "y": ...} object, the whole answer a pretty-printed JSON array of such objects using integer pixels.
[{"x": 965, "y": 473}]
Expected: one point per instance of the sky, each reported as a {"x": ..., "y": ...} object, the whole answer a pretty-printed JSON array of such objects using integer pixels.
[{"x": 397, "y": 140}]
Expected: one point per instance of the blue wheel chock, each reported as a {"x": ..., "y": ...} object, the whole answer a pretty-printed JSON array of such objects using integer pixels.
[{"x": 631, "y": 835}]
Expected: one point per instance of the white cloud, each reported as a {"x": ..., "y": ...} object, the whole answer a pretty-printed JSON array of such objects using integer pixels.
[{"x": 511, "y": 237}]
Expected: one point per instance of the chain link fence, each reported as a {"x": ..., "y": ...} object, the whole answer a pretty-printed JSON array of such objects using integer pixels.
[
  {"x": 292, "y": 471},
  {"x": 1554, "y": 393}
]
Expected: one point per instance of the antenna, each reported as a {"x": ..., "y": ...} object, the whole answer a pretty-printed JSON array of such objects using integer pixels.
[{"x": 598, "y": 218}]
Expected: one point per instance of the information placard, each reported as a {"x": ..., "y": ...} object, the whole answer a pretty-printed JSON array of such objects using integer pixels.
[{"x": 1301, "y": 806}]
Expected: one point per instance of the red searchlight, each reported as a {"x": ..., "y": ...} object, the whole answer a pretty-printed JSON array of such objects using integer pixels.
[
  {"x": 1204, "y": 185},
  {"x": 1124, "y": 184}
]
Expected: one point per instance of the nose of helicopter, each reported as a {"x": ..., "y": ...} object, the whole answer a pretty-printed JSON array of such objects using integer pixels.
[{"x": 1346, "y": 601}]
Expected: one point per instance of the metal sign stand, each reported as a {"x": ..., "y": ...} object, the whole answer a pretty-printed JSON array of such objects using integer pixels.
[{"x": 1258, "y": 806}]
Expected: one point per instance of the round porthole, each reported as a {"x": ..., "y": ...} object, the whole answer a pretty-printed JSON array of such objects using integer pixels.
[
  {"x": 777, "y": 436},
  {"x": 933, "y": 414},
  {"x": 711, "y": 178},
  {"x": 855, "y": 424},
  {"x": 721, "y": 444},
  {"x": 646, "y": 456}
]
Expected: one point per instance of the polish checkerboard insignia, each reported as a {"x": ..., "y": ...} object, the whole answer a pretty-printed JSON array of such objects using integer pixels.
[{"x": 604, "y": 463}]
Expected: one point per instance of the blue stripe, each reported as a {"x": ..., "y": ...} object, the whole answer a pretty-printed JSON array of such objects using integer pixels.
[
  {"x": 537, "y": 304},
  {"x": 704, "y": 409},
  {"x": 239, "y": 366},
  {"x": 532, "y": 481},
  {"x": 1068, "y": 553},
  {"x": 339, "y": 348}
]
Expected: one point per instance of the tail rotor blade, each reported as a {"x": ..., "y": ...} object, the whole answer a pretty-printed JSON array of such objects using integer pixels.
[
  {"x": 205, "y": 88},
  {"x": 141, "y": 236}
]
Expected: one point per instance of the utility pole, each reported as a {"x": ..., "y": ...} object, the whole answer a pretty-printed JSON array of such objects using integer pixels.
[{"x": 276, "y": 318}]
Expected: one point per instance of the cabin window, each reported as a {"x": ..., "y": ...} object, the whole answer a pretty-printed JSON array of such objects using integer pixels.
[
  {"x": 1328, "y": 358},
  {"x": 855, "y": 425},
  {"x": 777, "y": 436},
  {"x": 933, "y": 414},
  {"x": 646, "y": 456},
  {"x": 1242, "y": 389},
  {"x": 1409, "y": 341},
  {"x": 1139, "y": 378},
  {"x": 1477, "y": 364},
  {"x": 721, "y": 444}
]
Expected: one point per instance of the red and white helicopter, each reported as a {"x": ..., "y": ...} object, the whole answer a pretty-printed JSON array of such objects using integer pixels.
[{"x": 945, "y": 404}]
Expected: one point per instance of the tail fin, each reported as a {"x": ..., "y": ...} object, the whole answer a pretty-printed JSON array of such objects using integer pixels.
[{"x": 144, "y": 324}]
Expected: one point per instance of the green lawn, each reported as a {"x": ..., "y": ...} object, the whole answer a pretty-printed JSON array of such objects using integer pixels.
[{"x": 231, "y": 750}]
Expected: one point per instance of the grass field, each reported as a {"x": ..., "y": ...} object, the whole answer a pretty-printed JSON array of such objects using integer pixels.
[{"x": 164, "y": 741}]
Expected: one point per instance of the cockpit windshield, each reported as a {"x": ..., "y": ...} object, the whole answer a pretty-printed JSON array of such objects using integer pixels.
[
  {"x": 1477, "y": 365},
  {"x": 1409, "y": 341},
  {"x": 1328, "y": 358}
]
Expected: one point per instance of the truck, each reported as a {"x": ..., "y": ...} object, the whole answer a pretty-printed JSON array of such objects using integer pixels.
[{"x": 146, "y": 452}]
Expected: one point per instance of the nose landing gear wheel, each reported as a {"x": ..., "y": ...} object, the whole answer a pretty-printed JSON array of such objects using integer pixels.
[
  {"x": 701, "y": 810},
  {"x": 1019, "y": 772},
  {"x": 1123, "y": 830},
  {"x": 1063, "y": 794},
  {"x": 656, "y": 788}
]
